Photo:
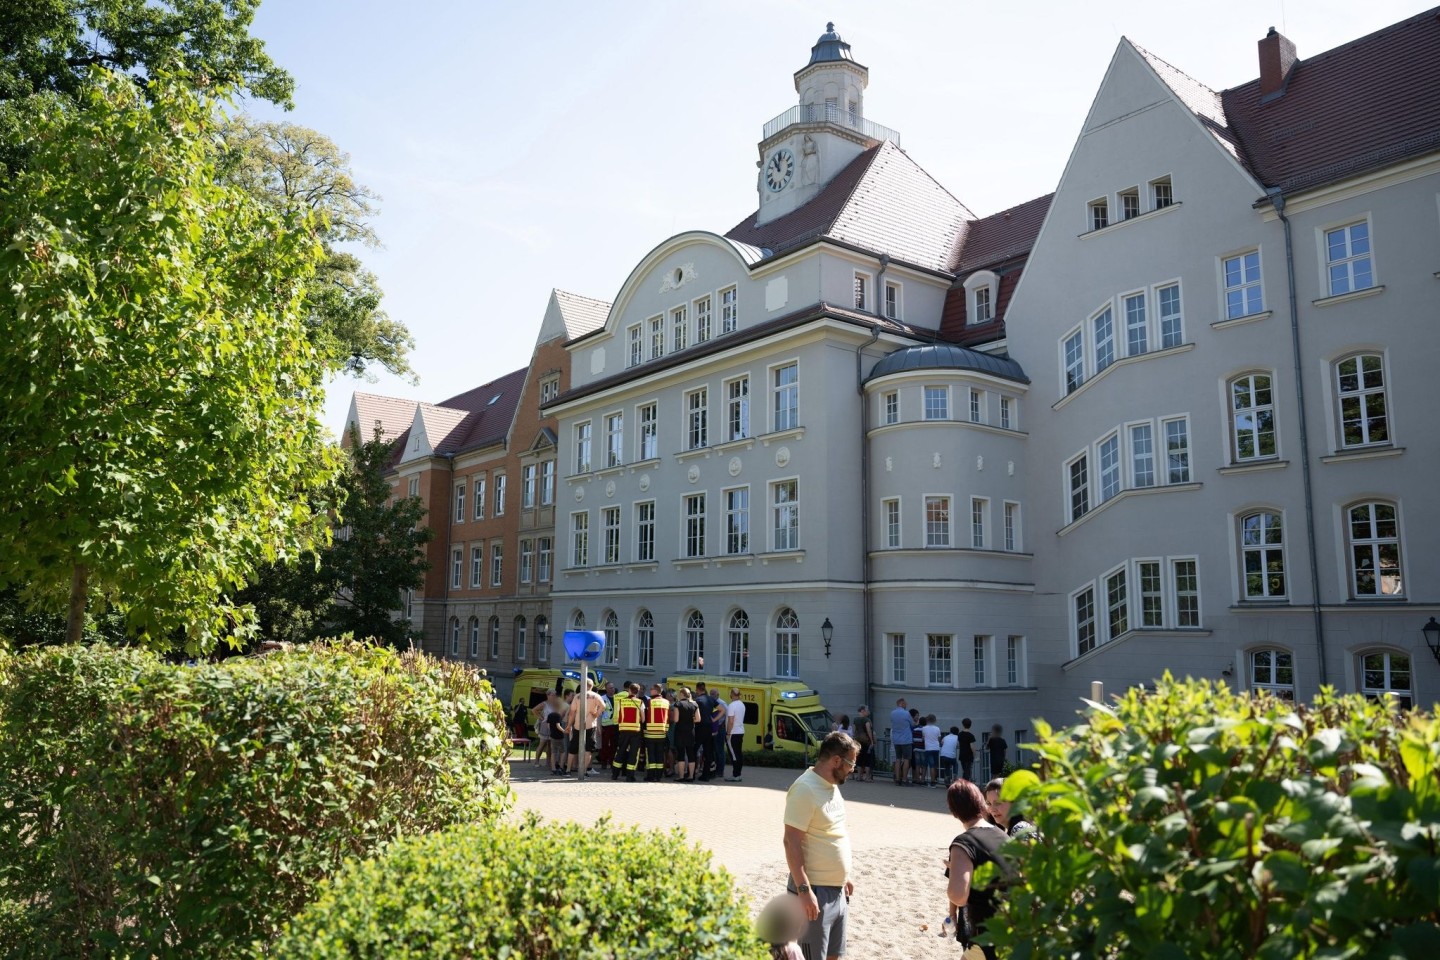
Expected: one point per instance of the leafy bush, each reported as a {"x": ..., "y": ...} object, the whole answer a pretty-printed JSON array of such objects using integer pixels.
[
  {"x": 527, "y": 890},
  {"x": 1196, "y": 822},
  {"x": 181, "y": 811}
]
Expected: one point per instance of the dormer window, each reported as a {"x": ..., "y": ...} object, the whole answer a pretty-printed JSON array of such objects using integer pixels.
[
  {"x": 862, "y": 292},
  {"x": 1130, "y": 203},
  {"x": 981, "y": 292},
  {"x": 1099, "y": 214},
  {"x": 549, "y": 389},
  {"x": 1162, "y": 194},
  {"x": 892, "y": 300}
]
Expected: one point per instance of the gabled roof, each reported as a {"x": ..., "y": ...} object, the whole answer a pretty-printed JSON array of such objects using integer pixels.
[
  {"x": 476, "y": 418},
  {"x": 1369, "y": 103},
  {"x": 882, "y": 202},
  {"x": 1200, "y": 99},
  {"x": 391, "y": 414},
  {"x": 581, "y": 314}
]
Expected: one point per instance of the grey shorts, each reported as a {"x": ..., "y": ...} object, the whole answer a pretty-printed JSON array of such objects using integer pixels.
[
  {"x": 902, "y": 751},
  {"x": 825, "y": 936}
]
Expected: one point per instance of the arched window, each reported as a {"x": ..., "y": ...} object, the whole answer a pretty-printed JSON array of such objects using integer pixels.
[
  {"x": 1252, "y": 418},
  {"x": 787, "y": 644},
  {"x": 738, "y": 637},
  {"x": 519, "y": 639},
  {"x": 577, "y": 620},
  {"x": 1385, "y": 674},
  {"x": 695, "y": 641},
  {"x": 612, "y": 637},
  {"x": 474, "y": 637},
  {"x": 1360, "y": 393},
  {"x": 494, "y": 638},
  {"x": 1262, "y": 546},
  {"x": 1273, "y": 671},
  {"x": 454, "y": 636},
  {"x": 1372, "y": 534},
  {"x": 542, "y": 639},
  {"x": 645, "y": 640}
]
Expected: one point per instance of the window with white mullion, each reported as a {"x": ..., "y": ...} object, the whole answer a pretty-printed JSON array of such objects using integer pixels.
[
  {"x": 1360, "y": 383},
  {"x": 785, "y": 505},
  {"x": 1137, "y": 330},
  {"x": 580, "y": 539},
  {"x": 1074, "y": 351},
  {"x": 891, "y": 510},
  {"x": 1012, "y": 526},
  {"x": 694, "y": 512},
  {"x": 940, "y": 660},
  {"x": 1177, "y": 450},
  {"x": 657, "y": 337},
  {"x": 979, "y": 507},
  {"x": 610, "y": 518},
  {"x": 737, "y": 409},
  {"x": 649, "y": 438},
  {"x": 1172, "y": 328},
  {"x": 645, "y": 531},
  {"x": 702, "y": 320},
  {"x": 1117, "y": 604},
  {"x": 1347, "y": 256},
  {"x": 1262, "y": 549},
  {"x": 1253, "y": 417},
  {"x": 697, "y": 419},
  {"x": 1083, "y": 617},
  {"x": 1185, "y": 578},
  {"x": 896, "y": 645},
  {"x": 1373, "y": 535},
  {"x": 679, "y": 328},
  {"x": 1152, "y": 593},
  {"x": 787, "y": 396},
  {"x": 1109, "y": 456},
  {"x": 1142, "y": 455},
  {"x": 980, "y": 648},
  {"x": 891, "y": 408},
  {"x": 737, "y": 520},
  {"x": 1078, "y": 489},
  {"x": 1244, "y": 295},
  {"x": 729, "y": 311},
  {"x": 614, "y": 439},
  {"x": 694, "y": 640},
  {"x": 582, "y": 447},
  {"x": 1103, "y": 326},
  {"x": 636, "y": 335},
  {"x": 937, "y": 521}
]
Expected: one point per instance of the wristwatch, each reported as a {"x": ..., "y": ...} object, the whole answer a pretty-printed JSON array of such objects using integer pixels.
[{"x": 803, "y": 888}]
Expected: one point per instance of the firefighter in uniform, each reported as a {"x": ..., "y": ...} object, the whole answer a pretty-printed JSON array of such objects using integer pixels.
[
  {"x": 657, "y": 725},
  {"x": 627, "y": 711}
]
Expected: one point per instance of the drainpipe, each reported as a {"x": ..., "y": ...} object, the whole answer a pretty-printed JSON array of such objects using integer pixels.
[
  {"x": 1277, "y": 200},
  {"x": 449, "y": 560},
  {"x": 867, "y": 614}
]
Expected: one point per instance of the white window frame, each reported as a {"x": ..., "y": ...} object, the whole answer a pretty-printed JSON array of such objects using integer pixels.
[
  {"x": 477, "y": 566},
  {"x": 892, "y": 300},
  {"x": 474, "y": 637},
  {"x": 1097, "y": 213},
  {"x": 1364, "y": 396},
  {"x": 1261, "y": 536},
  {"x": 932, "y": 392},
  {"x": 546, "y": 552},
  {"x": 547, "y": 482},
  {"x": 499, "y": 505},
  {"x": 703, "y": 318},
  {"x": 584, "y": 446},
  {"x": 1143, "y": 466},
  {"x": 737, "y": 407},
  {"x": 1374, "y": 541},
  {"x": 737, "y": 519},
  {"x": 785, "y": 395},
  {"x": 1150, "y": 594},
  {"x": 460, "y": 502},
  {"x": 414, "y": 486},
  {"x": 863, "y": 288},
  {"x": 1015, "y": 661},
  {"x": 527, "y": 561},
  {"x": 454, "y": 636},
  {"x": 644, "y": 531},
  {"x": 940, "y": 660},
  {"x": 697, "y": 418},
  {"x": 693, "y": 531},
  {"x": 981, "y": 660},
  {"x": 1077, "y": 485},
  {"x": 636, "y": 344},
  {"x": 1073, "y": 370},
  {"x": 889, "y": 408},
  {"x": 1242, "y": 287},
  {"x": 494, "y": 628},
  {"x": 982, "y": 292},
  {"x": 977, "y": 405},
  {"x": 656, "y": 325},
  {"x": 1135, "y": 317},
  {"x": 1102, "y": 338},
  {"x": 614, "y": 438},
  {"x": 1012, "y": 532},
  {"x": 737, "y": 642},
  {"x": 457, "y": 567},
  {"x": 610, "y": 527},
  {"x": 479, "y": 498},
  {"x": 1181, "y": 454},
  {"x": 644, "y": 638},
  {"x": 580, "y": 538},
  {"x": 895, "y": 656},
  {"x": 529, "y": 485},
  {"x": 679, "y": 327},
  {"x": 939, "y": 534},
  {"x": 1280, "y": 663},
  {"x": 1162, "y": 193},
  {"x": 1128, "y": 203},
  {"x": 1350, "y": 260},
  {"x": 787, "y": 643},
  {"x": 1008, "y": 410},
  {"x": 694, "y": 639},
  {"x": 1252, "y": 404},
  {"x": 497, "y": 563},
  {"x": 1187, "y": 615},
  {"x": 1170, "y": 326},
  {"x": 729, "y": 309},
  {"x": 518, "y": 625},
  {"x": 1115, "y": 602},
  {"x": 1108, "y": 474},
  {"x": 891, "y": 523},
  {"x": 1388, "y": 690},
  {"x": 647, "y": 439},
  {"x": 785, "y": 515},
  {"x": 979, "y": 522}
]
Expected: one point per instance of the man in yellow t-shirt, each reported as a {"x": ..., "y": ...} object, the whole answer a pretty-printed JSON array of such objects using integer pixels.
[{"x": 817, "y": 846}]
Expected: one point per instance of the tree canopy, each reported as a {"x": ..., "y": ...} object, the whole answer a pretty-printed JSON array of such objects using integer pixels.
[
  {"x": 50, "y": 45},
  {"x": 298, "y": 168},
  {"x": 160, "y": 393}
]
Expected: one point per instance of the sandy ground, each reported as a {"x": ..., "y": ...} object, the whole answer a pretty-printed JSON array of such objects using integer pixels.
[{"x": 899, "y": 837}]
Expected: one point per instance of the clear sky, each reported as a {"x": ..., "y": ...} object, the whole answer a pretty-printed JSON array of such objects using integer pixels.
[{"x": 520, "y": 147}]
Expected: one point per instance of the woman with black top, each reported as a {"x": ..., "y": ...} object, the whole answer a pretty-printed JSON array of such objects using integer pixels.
[
  {"x": 684, "y": 716},
  {"x": 978, "y": 844}
]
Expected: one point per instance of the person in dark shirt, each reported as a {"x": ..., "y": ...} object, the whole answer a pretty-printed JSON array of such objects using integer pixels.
[
  {"x": 967, "y": 751},
  {"x": 997, "y": 746}
]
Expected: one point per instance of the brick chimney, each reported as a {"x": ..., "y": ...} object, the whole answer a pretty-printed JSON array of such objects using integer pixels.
[{"x": 1277, "y": 56}]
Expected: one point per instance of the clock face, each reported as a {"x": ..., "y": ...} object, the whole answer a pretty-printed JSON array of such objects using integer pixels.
[{"x": 779, "y": 169}]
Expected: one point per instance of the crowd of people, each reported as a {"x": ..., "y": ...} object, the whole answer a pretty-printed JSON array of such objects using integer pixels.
[
  {"x": 809, "y": 920},
  {"x": 691, "y": 736}
]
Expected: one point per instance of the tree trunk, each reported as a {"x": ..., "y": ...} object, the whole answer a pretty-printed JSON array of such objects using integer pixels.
[{"x": 75, "y": 621}]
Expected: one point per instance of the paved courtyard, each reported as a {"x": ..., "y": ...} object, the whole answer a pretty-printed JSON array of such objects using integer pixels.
[{"x": 899, "y": 836}]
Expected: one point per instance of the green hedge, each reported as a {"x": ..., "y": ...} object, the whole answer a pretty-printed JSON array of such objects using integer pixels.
[
  {"x": 527, "y": 890},
  {"x": 1196, "y": 822},
  {"x": 186, "y": 810}
]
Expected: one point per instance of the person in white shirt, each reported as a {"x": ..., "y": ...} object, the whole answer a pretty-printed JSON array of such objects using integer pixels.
[
  {"x": 931, "y": 735},
  {"x": 735, "y": 730},
  {"x": 949, "y": 751}
]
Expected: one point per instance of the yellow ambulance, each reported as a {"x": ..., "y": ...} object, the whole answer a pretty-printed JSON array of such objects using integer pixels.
[{"x": 780, "y": 715}]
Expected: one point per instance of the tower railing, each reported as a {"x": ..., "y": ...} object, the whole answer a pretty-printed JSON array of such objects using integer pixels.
[{"x": 830, "y": 113}]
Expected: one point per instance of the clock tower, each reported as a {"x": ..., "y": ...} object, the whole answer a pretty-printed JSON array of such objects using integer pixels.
[{"x": 804, "y": 147}]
